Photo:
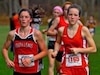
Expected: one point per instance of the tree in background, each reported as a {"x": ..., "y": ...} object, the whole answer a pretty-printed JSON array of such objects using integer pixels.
[{"x": 89, "y": 6}]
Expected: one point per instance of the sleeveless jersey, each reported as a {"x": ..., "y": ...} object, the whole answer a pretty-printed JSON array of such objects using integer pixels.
[
  {"x": 51, "y": 38},
  {"x": 27, "y": 47},
  {"x": 50, "y": 23},
  {"x": 71, "y": 60},
  {"x": 62, "y": 23}
]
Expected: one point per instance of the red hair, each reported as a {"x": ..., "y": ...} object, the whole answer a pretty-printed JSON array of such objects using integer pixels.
[{"x": 66, "y": 3}]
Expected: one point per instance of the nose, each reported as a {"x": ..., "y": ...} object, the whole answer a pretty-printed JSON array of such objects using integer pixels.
[
  {"x": 23, "y": 18},
  {"x": 72, "y": 16}
]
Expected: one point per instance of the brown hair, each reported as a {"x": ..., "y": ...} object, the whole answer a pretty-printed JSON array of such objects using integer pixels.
[
  {"x": 78, "y": 7},
  {"x": 69, "y": 3}
]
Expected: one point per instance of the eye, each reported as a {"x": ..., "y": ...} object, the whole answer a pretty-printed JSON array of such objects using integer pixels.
[
  {"x": 26, "y": 16},
  {"x": 69, "y": 14},
  {"x": 76, "y": 15},
  {"x": 21, "y": 17}
]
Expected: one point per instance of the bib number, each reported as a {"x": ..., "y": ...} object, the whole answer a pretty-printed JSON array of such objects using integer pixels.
[
  {"x": 73, "y": 60},
  {"x": 20, "y": 57}
]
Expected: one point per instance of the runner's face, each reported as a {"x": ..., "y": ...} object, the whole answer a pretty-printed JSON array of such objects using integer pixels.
[
  {"x": 73, "y": 16},
  {"x": 25, "y": 18},
  {"x": 66, "y": 8},
  {"x": 56, "y": 13}
]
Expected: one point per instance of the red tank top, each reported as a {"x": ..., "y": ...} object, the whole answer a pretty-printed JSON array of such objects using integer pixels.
[
  {"x": 72, "y": 60},
  {"x": 27, "y": 47},
  {"x": 62, "y": 23}
]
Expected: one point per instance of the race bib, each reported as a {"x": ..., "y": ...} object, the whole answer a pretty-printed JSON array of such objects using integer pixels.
[
  {"x": 20, "y": 57},
  {"x": 73, "y": 60}
]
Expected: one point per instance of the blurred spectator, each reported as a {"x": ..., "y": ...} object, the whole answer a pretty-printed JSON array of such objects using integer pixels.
[
  {"x": 14, "y": 23},
  {"x": 91, "y": 24},
  {"x": 38, "y": 14}
]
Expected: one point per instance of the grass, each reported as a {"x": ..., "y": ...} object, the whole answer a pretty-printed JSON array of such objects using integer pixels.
[
  {"x": 93, "y": 58},
  {"x": 3, "y": 68}
]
